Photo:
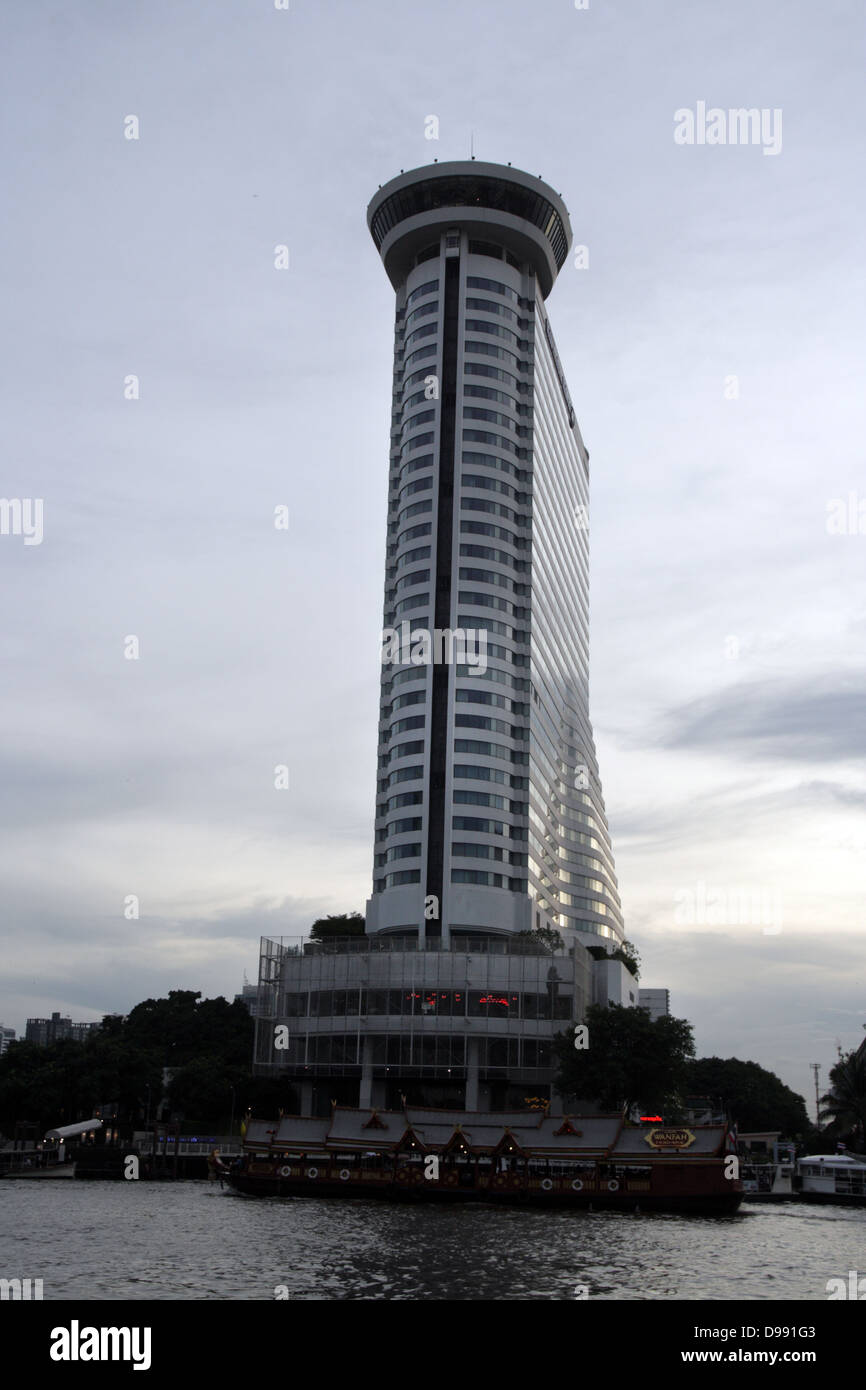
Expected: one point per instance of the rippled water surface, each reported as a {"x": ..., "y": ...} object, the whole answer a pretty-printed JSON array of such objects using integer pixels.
[{"x": 190, "y": 1240}]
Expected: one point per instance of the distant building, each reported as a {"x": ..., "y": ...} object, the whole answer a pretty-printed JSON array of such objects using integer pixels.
[
  {"x": 249, "y": 996},
  {"x": 54, "y": 1029},
  {"x": 658, "y": 1001},
  {"x": 7, "y": 1036}
]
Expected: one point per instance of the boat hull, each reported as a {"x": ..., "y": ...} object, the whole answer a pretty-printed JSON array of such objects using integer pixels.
[
  {"x": 673, "y": 1196},
  {"x": 837, "y": 1199}
]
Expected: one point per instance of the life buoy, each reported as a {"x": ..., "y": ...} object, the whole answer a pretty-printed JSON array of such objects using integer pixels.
[
  {"x": 515, "y": 1182},
  {"x": 613, "y": 1185},
  {"x": 416, "y": 1175},
  {"x": 312, "y": 1172},
  {"x": 344, "y": 1175},
  {"x": 285, "y": 1171},
  {"x": 577, "y": 1185},
  {"x": 546, "y": 1184},
  {"x": 451, "y": 1179}
]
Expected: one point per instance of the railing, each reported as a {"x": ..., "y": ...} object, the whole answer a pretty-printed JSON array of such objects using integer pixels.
[
  {"x": 187, "y": 1145},
  {"x": 461, "y": 946}
]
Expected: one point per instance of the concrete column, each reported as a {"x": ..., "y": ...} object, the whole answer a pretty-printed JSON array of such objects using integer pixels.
[
  {"x": 365, "y": 1097},
  {"x": 306, "y": 1090},
  {"x": 471, "y": 1073}
]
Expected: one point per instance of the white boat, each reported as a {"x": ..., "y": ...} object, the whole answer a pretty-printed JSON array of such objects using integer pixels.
[
  {"x": 767, "y": 1182},
  {"x": 832, "y": 1178}
]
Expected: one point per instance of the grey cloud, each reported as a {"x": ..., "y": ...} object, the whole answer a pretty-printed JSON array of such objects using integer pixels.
[{"x": 806, "y": 720}]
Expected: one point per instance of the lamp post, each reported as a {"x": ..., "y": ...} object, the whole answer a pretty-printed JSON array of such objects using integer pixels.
[
  {"x": 816, "y": 1068},
  {"x": 232, "y": 1122}
]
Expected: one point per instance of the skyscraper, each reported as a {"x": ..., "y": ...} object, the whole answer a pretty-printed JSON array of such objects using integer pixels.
[
  {"x": 489, "y": 813},
  {"x": 490, "y": 828}
]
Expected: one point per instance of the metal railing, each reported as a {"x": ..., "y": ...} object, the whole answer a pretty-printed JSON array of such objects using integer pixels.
[{"x": 462, "y": 945}]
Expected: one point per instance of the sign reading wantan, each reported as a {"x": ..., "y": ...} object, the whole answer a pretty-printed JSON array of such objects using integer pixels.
[{"x": 669, "y": 1138}]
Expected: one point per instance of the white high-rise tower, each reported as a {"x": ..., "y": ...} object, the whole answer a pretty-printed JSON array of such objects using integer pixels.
[
  {"x": 489, "y": 816},
  {"x": 489, "y": 810}
]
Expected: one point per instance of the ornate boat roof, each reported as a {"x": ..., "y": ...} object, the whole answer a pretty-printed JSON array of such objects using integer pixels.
[{"x": 530, "y": 1133}]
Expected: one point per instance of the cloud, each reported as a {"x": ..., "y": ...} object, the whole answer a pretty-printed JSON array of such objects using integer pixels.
[{"x": 817, "y": 719}]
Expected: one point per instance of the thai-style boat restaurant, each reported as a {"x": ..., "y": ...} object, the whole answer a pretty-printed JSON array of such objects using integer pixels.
[{"x": 528, "y": 1157}]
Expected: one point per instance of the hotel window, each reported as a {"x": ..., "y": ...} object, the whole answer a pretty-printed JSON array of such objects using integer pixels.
[
  {"x": 404, "y": 852},
  {"x": 499, "y": 1052},
  {"x": 485, "y": 248},
  {"x": 478, "y": 282},
  {"x": 535, "y": 1053},
  {"x": 295, "y": 1005},
  {"x": 476, "y": 876},
  {"x": 421, "y": 290},
  {"x": 489, "y": 306},
  {"x": 424, "y": 310},
  {"x": 406, "y": 750},
  {"x": 418, "y": 485}
]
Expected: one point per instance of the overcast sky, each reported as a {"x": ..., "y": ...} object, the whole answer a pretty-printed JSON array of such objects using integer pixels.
[{"x": 714, "y": 350}]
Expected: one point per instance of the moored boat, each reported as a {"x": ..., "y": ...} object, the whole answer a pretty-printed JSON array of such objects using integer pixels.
[
  {"x": 767, "y": 1182},
  {"x": 527, "y": 1156},
  {"x": 832, "y": 1178}
]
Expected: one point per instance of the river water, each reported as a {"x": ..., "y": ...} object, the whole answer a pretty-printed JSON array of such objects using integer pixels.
[{"x": 191, "y": 1240}]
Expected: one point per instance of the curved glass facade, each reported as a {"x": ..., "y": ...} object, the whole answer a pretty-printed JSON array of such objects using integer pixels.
[{"x": 506, "y": 557}]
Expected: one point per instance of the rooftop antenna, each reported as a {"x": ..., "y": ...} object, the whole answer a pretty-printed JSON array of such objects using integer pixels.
[{"x": 472, "y": 144}]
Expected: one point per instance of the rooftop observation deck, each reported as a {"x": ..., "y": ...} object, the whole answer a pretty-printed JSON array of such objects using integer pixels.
[{"x": 492, "y": 201}]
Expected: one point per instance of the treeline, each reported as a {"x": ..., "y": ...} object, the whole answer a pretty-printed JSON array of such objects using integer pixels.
[
  {"x": 206, "y": 1043},
  {"x": 631, "y": 1059}
]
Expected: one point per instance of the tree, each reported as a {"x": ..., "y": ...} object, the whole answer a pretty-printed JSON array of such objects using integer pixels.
[
  {"x": 337, "y": 924},
  {"x": 123, "y": 1063},
  {"x": 548, "y": 938},
  {"x": 627, "y": 953},
  {"x": 630, "y": 1059},
  {"x": 201, "y": 1092},
  {"x": 755, "y": 1098},
  {"x": 845, "y": 1102}
]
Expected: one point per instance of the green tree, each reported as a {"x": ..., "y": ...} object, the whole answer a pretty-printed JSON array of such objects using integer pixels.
[
  {"x": 845, "y": 1102},
  {"x": 755, "y": 1098},
  {"x": 337, "y": 924},
  {"x": 627, "y": 953},
  {"x": 547, "y": 938},
  {"x": 630, "y": 1059},
  {"x": 200, "y": 1093},
  {"x": 123, "y": 1062}
]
